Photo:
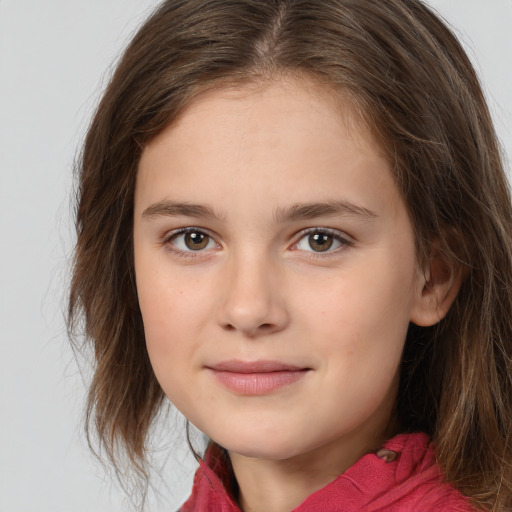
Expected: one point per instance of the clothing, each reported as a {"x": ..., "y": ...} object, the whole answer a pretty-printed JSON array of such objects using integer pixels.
[{"x": 410, "y": 483}]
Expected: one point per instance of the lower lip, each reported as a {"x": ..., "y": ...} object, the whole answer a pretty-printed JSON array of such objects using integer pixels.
[{"x": 258, "y": 383}]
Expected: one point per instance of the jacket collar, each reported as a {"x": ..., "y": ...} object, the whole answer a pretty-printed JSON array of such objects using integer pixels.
[{"x": 405, "y": 464}]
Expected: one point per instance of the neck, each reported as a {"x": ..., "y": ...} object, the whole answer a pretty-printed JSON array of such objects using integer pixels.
[{"x": 282, "y": 485}]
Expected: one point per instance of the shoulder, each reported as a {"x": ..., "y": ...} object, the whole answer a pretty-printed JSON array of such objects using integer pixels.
[
  {"x": 432, "y": 496},
  {"x": 417, "y": 482}
]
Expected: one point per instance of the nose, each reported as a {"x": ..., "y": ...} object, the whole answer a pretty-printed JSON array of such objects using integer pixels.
[{"x": 253, "y": 302}]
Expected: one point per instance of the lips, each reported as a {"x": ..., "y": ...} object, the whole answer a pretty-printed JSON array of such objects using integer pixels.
[{"x": 256, "y": 377}]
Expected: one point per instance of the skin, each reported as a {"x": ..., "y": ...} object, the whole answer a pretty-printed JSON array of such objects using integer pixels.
[{"x": 260, "y": 290}]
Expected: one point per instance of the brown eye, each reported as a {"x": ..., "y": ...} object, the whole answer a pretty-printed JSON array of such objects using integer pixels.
[
  {"x": 191, "y": 240},
  {"x": 195, "y": 240},
  {"x": 320, "y": 242}
]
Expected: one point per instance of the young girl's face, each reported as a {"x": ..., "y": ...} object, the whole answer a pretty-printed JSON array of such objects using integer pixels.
[{"x": 276, "y": 271}]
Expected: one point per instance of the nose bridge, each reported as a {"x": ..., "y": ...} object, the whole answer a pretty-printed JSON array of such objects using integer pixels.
[{"x": 252, "y": 302}]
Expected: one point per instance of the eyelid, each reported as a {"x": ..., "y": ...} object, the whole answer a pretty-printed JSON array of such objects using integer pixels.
[
  {"x": 168, "y": 238},
  {"x": 169, "y": 235},
  {"x": 340, "y": 236},
  {"x": 344, "y": 239}
]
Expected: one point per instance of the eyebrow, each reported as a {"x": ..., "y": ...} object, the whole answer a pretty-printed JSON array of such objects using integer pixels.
[
  {"x": 175, "y": 209},
  {"x": 305, "y": 211},
  {"x": 295, "y": 212}
]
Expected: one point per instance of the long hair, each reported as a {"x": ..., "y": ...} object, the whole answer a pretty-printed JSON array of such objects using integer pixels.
[{"x": 408, "y": 77}]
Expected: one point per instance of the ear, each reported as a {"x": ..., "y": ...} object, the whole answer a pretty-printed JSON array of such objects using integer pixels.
[{"x": 437, "y": 287}]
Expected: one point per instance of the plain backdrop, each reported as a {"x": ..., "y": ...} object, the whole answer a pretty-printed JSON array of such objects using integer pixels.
[{"x": 55, "y": 58}]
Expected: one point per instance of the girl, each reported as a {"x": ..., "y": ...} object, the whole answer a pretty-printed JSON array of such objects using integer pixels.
[{"x": 293, "y": 222}]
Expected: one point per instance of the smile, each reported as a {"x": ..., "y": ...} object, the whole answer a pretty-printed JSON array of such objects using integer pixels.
[{"x": 258, "y": 377}]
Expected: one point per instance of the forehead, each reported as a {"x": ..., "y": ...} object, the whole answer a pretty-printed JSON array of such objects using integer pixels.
[
  {"x": 287, "y": 137},
  {"x": 306, "y": 98}
]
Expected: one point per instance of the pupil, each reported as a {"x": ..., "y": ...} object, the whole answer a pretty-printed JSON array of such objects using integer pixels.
[
  {"x": 196, "y": 241},
  {"x": 320, "y": 242}
]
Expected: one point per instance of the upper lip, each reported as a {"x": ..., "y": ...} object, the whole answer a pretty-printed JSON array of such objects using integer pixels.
[{"x": 237, "y": 366}]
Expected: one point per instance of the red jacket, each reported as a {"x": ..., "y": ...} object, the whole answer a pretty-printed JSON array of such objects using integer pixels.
[{"x": 410, "y": 483}]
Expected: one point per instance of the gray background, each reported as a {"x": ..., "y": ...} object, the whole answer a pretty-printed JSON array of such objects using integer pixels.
[{"x": 55, "y": 57}]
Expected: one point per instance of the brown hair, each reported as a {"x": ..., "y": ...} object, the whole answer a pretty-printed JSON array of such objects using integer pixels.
[{"x": 407, "y": 74}]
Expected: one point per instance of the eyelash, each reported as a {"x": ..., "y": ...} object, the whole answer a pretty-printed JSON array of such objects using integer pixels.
[
  {"x": 343, "y": 241},
  {"x": 170, "y": 238},
  {"x": 336, "y": 236}
]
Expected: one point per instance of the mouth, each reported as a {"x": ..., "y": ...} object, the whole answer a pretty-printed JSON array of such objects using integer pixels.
[{"x": 256, "y": 377}]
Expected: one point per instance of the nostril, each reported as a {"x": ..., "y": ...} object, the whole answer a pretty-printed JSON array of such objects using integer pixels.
[
  {"x": 262, "y": 328},
  {"x": 251, "y": 317}
]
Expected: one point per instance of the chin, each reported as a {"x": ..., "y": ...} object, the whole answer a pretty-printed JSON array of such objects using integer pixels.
[
  {"x": 262, "y": 452},
  {"x": 260, "y": 435},
  {"x": 262, "y": 446}
]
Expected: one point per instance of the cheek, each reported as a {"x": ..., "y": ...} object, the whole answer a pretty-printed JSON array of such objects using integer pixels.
[
  {"x": 362, "y": 315},
  {"x": 175, "y": 308},
  {"x": 163, "y": 306},
  {"x": 167, "y": 341}
]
